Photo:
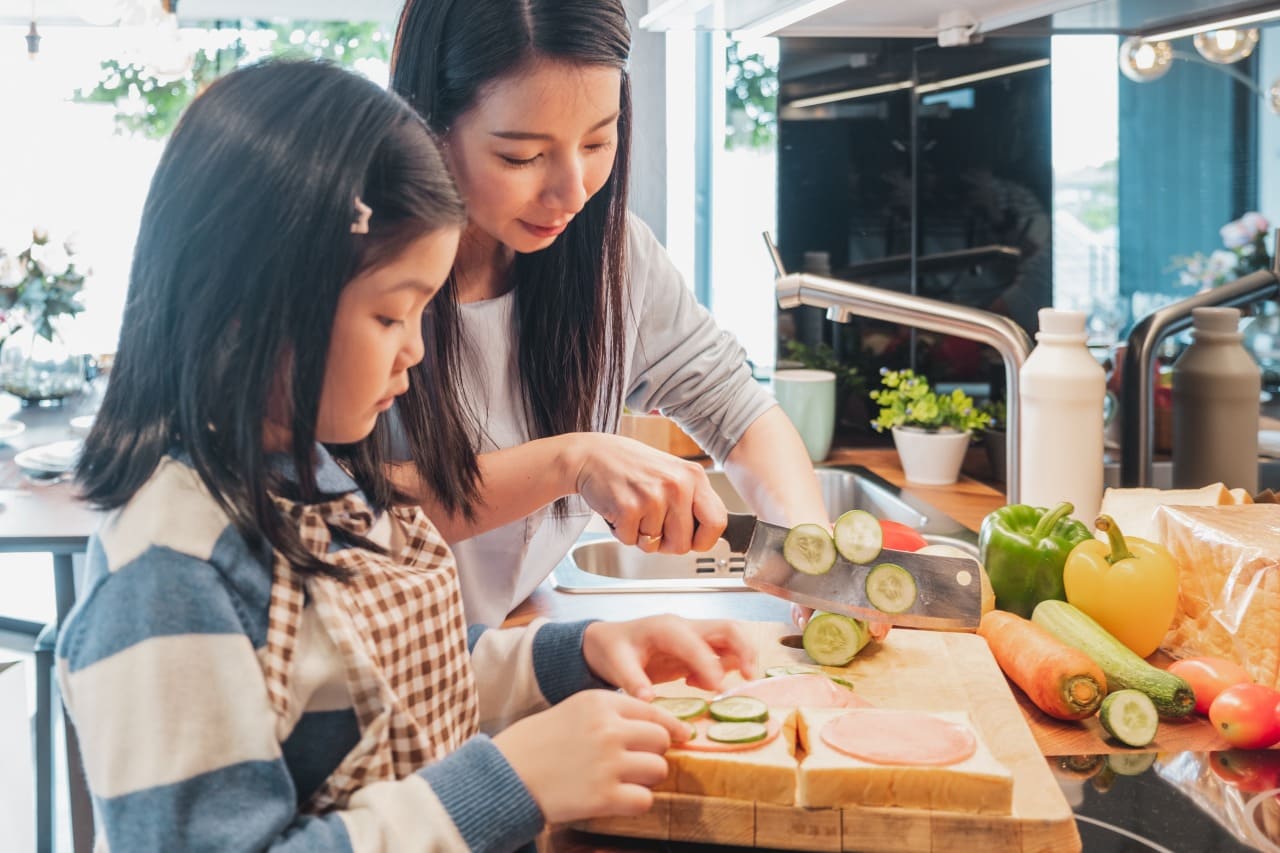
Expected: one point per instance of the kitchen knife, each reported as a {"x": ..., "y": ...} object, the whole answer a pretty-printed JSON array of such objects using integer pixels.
[{"x": 948, "y": 589}]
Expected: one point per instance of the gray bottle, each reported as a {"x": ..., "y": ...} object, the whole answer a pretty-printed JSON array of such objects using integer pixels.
[{"x": 1217, "y": 388}]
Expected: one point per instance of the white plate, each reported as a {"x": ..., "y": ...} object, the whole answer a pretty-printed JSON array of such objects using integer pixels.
[
  {"x": 56, "y": 458},
  {"x": 10, "y": 429}
]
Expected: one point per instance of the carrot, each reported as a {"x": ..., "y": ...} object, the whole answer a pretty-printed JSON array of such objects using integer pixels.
[{"x": 1062, "y": 681}]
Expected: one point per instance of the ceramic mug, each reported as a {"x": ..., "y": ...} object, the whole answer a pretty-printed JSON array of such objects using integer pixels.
[{"x": 809, "y": 399}]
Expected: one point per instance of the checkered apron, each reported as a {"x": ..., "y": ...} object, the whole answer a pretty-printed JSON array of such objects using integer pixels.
[{"x": 399, "y": 629}]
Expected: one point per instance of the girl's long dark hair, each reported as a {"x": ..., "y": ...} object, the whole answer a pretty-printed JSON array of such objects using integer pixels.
[
  {"x": 244, "y": 248},
  {"x": 570, "y": 296}
]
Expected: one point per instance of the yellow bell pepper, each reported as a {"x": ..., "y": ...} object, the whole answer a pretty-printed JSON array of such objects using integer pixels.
[{"x": 1129, "y": 586}]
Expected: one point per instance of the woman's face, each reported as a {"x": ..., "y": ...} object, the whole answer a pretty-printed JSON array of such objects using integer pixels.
[
  {"x": 377, "y": 337},
  {"x": 536, "y": 145}
]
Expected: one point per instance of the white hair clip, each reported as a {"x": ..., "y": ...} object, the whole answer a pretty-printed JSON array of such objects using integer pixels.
[{"x": 363, "y": 212}]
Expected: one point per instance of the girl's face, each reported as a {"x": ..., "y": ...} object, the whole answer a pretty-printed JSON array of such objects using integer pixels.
[
  {"x": 377, "y": 337},
  {"x": 533, "y": 149}
]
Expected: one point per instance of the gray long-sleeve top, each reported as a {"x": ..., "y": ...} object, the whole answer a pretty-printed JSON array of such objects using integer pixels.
[{"x": 678, "y": 361}]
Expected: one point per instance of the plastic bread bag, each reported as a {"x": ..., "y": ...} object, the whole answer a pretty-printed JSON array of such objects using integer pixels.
[
  {"x": 1229, "y": 584},
  {"x": 1237, "y": 788}
]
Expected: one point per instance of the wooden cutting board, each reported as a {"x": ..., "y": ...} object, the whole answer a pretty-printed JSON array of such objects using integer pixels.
[{"x": 910, "y": 670}]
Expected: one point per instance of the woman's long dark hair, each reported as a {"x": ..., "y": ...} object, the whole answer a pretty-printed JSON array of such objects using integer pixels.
[
  {"x": 244, "y": 248},
  {"x": 570, "y": 296}
]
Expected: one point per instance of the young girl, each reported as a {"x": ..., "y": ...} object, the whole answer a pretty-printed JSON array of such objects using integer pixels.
[
  {"x": 269, "y": 651},
  {"x": 561, "y": 308}
]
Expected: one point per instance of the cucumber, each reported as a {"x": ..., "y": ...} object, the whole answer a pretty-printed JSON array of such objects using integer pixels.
[
  {"x": 833, "y": 639},
  {"x": 805, "y": 669},
  {"x": 858, "y": 536},
  {"x": 683, "y": 707},
  {"x": 737, "y": 732},
  {"x": 809, "y": 549},
  {"x": 793, "y": 669},
  {"x": 1131, "y": 763},
  {"x": 890, "y": 588},
  {"x": 739, "y": 709},
  {"x": 1130, "y": 717},
  {"x": 1171, "y": 695}
]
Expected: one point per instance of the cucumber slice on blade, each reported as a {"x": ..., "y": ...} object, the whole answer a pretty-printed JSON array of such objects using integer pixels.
[
  {"x": 810, "y": 549},
  {"x": 833, "y": 639},
  {"x": 739, "y": 709},
  {"x": 737, "y": 732},
  {"x": 683, "y": 707},
  {"x": 858, "y": 536},
  {"x": 890, "y": 588},
  {"x": 1130, "y": 717}
]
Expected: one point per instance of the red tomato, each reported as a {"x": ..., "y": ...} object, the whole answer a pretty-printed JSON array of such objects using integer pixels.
[
  {"x": 900, "y": 537},
  {"x": 1250, "y": 770},
  {"x": 1245, "y": 715},
  {"x": 1208, "y": 677}
]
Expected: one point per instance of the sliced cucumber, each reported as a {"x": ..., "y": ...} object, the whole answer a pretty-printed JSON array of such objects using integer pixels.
[
  {"x": 793, "y": 669},
  {"x": 683, "y": 707},
  {"x": 737, "y": 732},
  {"x": 810, "y": 549},
  {"x": 739, "y": 709},
  {"x": 858, "y": 536},
  {"x": 1131, "y": 763},
  {"x": 1130, "y": 717},
  {"x": 833, "y": 639},
  {"x": 890, "y": 588}
]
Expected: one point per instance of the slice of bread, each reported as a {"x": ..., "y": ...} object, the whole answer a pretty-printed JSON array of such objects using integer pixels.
[
  {"x": 766, "y": 775},
  {"x": 829, "y": 778},
  {"x": 1134, "y": 510}
]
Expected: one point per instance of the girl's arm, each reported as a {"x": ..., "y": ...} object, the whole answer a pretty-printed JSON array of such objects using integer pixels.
[
  {"x": 637, "y": 489},
  {"x": 159, "y": 672},
  {"x": 770, "y": 468}
]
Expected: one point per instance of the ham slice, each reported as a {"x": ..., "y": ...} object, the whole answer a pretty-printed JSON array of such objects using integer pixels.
[
  {"x": 911, "y": 738},
  {"x": 800, "y": 691},
  {"x": 702, "y": 743}
]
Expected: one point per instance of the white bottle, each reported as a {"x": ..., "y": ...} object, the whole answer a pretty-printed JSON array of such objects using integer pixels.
[{"x": 1062, "y": 388}]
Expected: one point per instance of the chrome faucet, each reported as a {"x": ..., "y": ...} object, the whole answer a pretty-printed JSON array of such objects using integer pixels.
[
  {"x": 846, "y": 301},
  {"x": 1136, "y": 427}
]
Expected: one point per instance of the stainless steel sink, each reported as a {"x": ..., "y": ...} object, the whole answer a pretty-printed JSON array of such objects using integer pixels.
[{"x": 599, "y": 563}]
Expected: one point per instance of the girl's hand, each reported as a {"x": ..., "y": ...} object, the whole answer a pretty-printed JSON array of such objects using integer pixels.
[
  {"x": 649, "y": 498},
  {"x": 633, "y": 655},
  {"x": 596, "y": 754}
]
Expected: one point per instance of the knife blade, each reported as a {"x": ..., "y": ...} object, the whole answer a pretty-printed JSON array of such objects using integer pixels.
[{"x": 948, "y": 589}]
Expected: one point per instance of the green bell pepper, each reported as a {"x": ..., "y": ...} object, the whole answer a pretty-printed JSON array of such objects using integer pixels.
[{"x": 1023, "y": 548}]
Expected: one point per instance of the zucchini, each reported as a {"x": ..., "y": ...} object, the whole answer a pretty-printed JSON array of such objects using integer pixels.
[{"x": 1171, "y": 695}]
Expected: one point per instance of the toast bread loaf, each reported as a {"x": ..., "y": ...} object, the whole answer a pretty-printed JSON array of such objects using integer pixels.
[{"x": 1228, "y": 584}]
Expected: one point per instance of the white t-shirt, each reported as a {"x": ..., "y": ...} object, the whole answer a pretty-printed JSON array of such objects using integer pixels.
[{"x": 677, "y": 360}]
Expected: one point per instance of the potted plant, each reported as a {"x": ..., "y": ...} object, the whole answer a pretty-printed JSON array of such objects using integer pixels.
[
  {"x": 994, "y": 438},
  {"x": 931, "y": 431}
]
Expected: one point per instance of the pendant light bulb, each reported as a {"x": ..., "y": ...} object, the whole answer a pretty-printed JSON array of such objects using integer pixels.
[
  {"x": 1226, "y": 46},
  {"x": 1143, "y": 61}
]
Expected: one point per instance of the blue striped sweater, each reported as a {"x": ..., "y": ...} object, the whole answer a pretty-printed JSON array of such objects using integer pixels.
[{"x": 159, "y": 671}]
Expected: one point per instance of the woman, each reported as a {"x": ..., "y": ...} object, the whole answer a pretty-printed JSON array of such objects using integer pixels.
[{"x": 561, "y": 309}]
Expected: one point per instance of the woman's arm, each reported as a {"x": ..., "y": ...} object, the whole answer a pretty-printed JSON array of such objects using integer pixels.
[
  {"x": 770, "y": 468},
  {"x": 640, "y": 491}
]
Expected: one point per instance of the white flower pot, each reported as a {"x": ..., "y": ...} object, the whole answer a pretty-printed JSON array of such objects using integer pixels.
[{"x": 931, "y": 458}]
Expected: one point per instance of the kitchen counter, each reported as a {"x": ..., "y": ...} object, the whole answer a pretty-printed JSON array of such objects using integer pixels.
[{"x": 1156, "y": 804}]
